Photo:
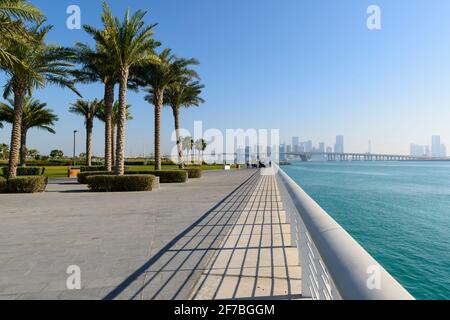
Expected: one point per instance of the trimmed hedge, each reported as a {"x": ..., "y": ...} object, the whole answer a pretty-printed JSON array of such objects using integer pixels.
[
  {"x": 26, "y": 171},
  {"x": 135, "y": 163},
  {"x": 27, "y": 184},
  {"x": 166, "y": 176},
  {"x": 109, "y": 183},
  {"x": 92, "y": 168},
  {"x": 3, "y": 185},
  {"x": 194, "y": 173},
  {"x": 49, "y": 163},
  {"x": 82, "y": 176}
]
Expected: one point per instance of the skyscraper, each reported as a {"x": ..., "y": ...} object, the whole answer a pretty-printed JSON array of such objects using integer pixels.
[
  {"x": 443, "y": 151},
  {"x": 282, "y": 149},
  {"x": 339, "y": 146},
  {"x": 295, "y": 144},
  {"x": 435, "y": 146},
  {"x": 308, "y": 146},
  {"x": 417, "y": 150},
  {"x": 321, "y": 147}
]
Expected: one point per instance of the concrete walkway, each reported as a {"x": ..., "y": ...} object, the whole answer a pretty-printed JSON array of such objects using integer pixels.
[
  {"x": 256, "y": 259},
  {"x": 117, "y": 240},
  {"x": 222, "y": 236}
]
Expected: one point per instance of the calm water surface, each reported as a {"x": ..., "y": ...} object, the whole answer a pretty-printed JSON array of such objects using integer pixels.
[{"x": 398, "y": 211}]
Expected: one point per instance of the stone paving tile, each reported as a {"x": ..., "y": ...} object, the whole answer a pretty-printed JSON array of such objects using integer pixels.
[
  {"x": 256, "y": 258},
  {"x": 116, "y": 239}
]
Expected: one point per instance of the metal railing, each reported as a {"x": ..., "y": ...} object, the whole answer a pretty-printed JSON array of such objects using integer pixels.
[{"x": 334, "y": 265}]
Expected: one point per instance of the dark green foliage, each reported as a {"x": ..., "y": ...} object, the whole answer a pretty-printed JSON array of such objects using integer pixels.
[
  {"x": 82, "y": 176},
  {"x": 194, "y": 173},
  {"x": 28, "y": 184},
  {"x": 50, "y": 163},
  {"x": 135, "y": 163},
  {"x": 3, "y": 185},
  {"x": 167, "y": 176},
  {"x": 92, "y": 168},
  {"x": 113, "y": 183},
  {"x": 26, "y": 171}
]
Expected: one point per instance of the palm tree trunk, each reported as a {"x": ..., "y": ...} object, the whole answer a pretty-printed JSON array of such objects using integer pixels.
[
  {"x": 120, "y": 149},
  {"x": 23, "y": 148},
  {"x": 89, "y": 127},
  {"x": 16, "y": 132},
  {"x": 113, "y": 145},
  {"x": 176, "y": 116},
  {"x": 109, "y": 135},
  {"x": 158, "y": 106}
]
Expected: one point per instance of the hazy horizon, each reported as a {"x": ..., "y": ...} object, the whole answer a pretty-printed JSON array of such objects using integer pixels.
[{"x": 310, "y": 69}]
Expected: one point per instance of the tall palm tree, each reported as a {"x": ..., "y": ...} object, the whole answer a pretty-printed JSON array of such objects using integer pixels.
[
  {"x": 184, "y": 93},
  {"x": 200, "y": 146},
  {"x": 157, "y": 77},
  {"x": 88, "y": 110},
  {"x": 129, "y": 43},
  {"x": 188, "y": 144},
  {"x": 45, "y": 64},
  {"x": 12, "y": 13},
  {"x": 101, "y": 115},
  {"x": 97, "y": 66},
  {"x": 35, "y": 115}
]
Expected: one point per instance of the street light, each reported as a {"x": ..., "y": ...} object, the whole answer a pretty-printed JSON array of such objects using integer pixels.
[{"x": 74, "y": 147}]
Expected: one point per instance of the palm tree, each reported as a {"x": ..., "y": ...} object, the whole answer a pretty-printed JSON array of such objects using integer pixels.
[
  {"x": 129, "y": 43},
  {"x": 185, "y": 93},
  {"x": 88, "y": 110},
  {"x": 101, "y": 115},
  {"x": 97, "y": 66},
  {"x": 11, "y": 14},
  {"x": 45, "y": 64},
  {"x": 157, "y": 77},
  {"x": 188, "y": 144},
  {"x": 200, "y": 146},
  {"x": 35, "y": 115}
]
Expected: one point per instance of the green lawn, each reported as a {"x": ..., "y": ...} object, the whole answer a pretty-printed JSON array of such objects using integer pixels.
[{"x": 61, "y": 171}]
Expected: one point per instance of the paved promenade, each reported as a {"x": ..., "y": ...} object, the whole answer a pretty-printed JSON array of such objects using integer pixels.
[
  {"x": 155, "y": 245},
  {"x": 256, "y": 259}
]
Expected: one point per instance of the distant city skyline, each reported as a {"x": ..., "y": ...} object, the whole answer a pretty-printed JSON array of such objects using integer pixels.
[{"x": 437, "y": 149}]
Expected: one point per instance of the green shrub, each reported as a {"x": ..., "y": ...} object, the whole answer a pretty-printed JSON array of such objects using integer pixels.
[
  {"x": 27, "y": 184},
  {"x": 82, "y": 176},
  {"x": 26, "y": 171},
  {"x": 3, "y": 185},
  {"x": 112, "y": 183},
  {"x": 49, "y": 163},
  {"x": 135, "y": 163},
  {"x": 92, "y": 168},
  {"x": 193, "y": 173},
  {"x": 166, "y": 176}
]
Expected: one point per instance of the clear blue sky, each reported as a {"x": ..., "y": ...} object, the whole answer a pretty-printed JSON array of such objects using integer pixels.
[{"x": 310, "y": 68}]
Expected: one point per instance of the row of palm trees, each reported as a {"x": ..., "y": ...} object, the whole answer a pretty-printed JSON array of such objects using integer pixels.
[
  {"x": 96, "y": 109},
  {"x": 124, "y": 55}
]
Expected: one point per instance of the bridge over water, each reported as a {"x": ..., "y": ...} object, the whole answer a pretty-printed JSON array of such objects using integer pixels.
[{"x": 332, "y": 156}]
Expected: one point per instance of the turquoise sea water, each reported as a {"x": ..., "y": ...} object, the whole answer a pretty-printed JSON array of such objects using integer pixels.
[{"x": 398, "y": 211}]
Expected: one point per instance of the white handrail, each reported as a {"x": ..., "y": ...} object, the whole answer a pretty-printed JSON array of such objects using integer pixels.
[{"x": 334, "y": 265}]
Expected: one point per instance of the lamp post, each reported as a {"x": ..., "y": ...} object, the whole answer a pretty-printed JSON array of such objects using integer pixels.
[{"x": 74, "y": 147}]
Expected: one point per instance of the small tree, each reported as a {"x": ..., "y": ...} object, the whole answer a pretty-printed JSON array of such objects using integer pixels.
[
  {"x": 32, "y": 154},
  {"x": 200, "y": 146},
  {"x": 4, "y": 151},
  {"x": 56, "y": 154}
]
